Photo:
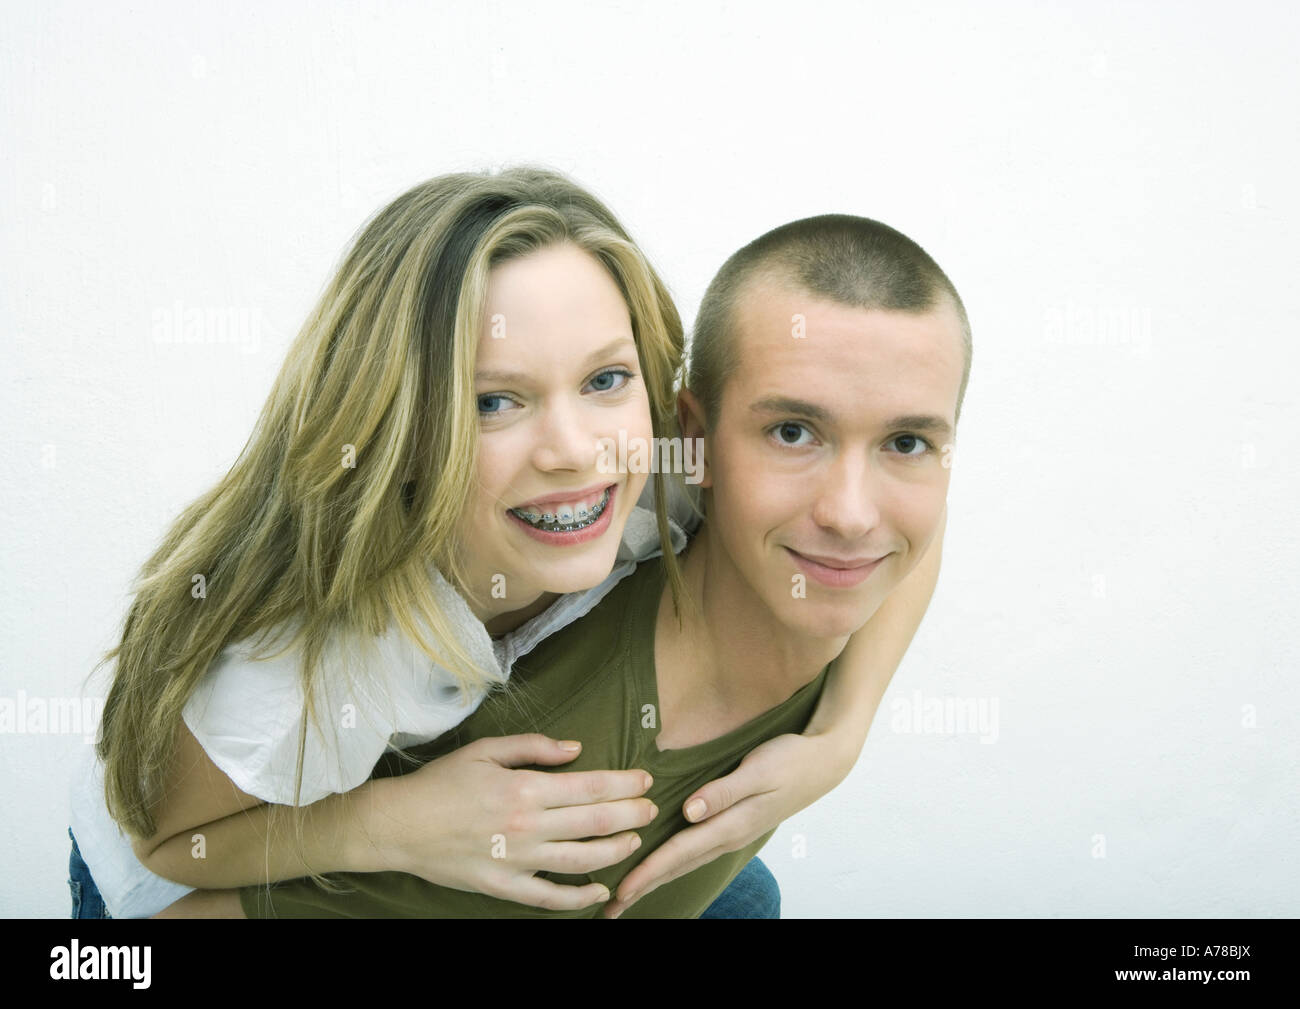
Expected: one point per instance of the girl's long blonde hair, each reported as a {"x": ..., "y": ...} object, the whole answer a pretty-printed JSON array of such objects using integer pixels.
[{"x": 362, "y": 463}]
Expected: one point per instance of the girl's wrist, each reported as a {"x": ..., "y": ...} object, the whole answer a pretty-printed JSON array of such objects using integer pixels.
[{"x": 367, "y": 838}]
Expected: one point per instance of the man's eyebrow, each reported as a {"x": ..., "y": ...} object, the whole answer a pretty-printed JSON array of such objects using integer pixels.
[
  {"x": 921, "y": 422},
  {"x": 912, "y": 421},
  {"x": 783, "y": 404},
  {"x": 514, "y": 377}
]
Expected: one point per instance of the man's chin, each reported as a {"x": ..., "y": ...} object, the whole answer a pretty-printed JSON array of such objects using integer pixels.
[{"x": 829, "y": 619}]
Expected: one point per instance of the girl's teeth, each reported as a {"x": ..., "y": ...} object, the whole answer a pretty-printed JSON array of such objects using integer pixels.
[{"x": 565, "y": 515}]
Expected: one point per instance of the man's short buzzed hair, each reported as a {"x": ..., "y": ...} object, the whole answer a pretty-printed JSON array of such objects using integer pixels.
[{"x": 850, "y": 260}]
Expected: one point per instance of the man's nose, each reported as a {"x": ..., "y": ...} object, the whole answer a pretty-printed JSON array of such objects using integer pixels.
[
  {"x": 846, "y": 500},
  {"x": 567, "y": 439}
]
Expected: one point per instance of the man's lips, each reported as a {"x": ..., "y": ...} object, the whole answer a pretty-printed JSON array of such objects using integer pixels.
[
  {"x": 836, "y": 572},
  {"x": 842, "y": 563}
]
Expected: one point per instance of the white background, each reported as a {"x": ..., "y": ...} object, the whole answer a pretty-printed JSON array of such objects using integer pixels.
[{"x": 1105, "y": 184}]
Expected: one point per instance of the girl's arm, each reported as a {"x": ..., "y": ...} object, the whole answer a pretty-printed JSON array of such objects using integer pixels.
[
  {"x": 785, "y": 775},
  {"x": 437, "y": 822}
]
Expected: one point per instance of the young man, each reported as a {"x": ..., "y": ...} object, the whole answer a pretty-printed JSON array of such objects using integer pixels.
[{"x": 828, "y": 366}]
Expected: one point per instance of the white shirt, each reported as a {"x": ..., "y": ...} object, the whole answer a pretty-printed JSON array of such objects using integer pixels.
[{"x": 246, "y": 714}]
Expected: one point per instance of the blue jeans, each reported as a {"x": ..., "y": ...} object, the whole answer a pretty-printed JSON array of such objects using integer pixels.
[
  {"x": 752, "y": 894},
  {"x": 86, "y": 901}
]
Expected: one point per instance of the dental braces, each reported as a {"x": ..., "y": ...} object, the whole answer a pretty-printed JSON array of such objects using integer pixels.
[{"x": 548, "y": 522}]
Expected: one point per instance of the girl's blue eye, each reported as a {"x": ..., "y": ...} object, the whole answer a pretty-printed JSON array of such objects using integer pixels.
[
  {"x": 607, "y": 381},
  {"x": 602, "y": 386}
]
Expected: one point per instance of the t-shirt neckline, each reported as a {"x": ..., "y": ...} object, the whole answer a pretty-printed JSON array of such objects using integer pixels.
[{"x": 643, "y": 626}]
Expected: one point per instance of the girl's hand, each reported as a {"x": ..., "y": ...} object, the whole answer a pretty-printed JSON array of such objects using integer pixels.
[
  {"x": 773, "y": 782},
  {"x": 471, "y": 820}
]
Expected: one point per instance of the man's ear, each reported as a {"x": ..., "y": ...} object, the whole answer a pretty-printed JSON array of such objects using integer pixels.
[{"x": 691, "y": 422}]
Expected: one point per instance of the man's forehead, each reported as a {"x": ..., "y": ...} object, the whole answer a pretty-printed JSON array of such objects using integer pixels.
[
  {"x": 768, "y": 309},
  {"x": 792, "y": 344}
]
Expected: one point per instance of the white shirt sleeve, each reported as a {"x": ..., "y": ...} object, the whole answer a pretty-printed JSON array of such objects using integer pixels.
[
  {"x": 247, "y": 713},
  {"x": 128, "y": 888}
]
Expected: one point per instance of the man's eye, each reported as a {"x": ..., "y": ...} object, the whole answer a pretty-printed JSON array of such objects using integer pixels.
[
  {"x": 916, "y": 440},
  {"x": 788, "y": 434},
  {"x": 493, "y": 403},
  {"x": 608, "y": 381}
]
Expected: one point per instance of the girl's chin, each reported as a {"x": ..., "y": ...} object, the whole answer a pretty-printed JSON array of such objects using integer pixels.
[{"x": 577, "y": 574}]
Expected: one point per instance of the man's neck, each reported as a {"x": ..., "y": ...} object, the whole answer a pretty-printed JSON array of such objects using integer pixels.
[{"x": 731, "y": 662}]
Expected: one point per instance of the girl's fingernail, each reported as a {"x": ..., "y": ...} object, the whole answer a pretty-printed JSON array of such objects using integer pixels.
[
  {"x": 570, "y": 744},
  {"x": 695, "y": 809},
  {"x": 636, "y": 842}
]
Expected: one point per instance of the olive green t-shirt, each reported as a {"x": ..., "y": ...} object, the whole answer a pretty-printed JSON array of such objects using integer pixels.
[{"x": 593, "y": 681}]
